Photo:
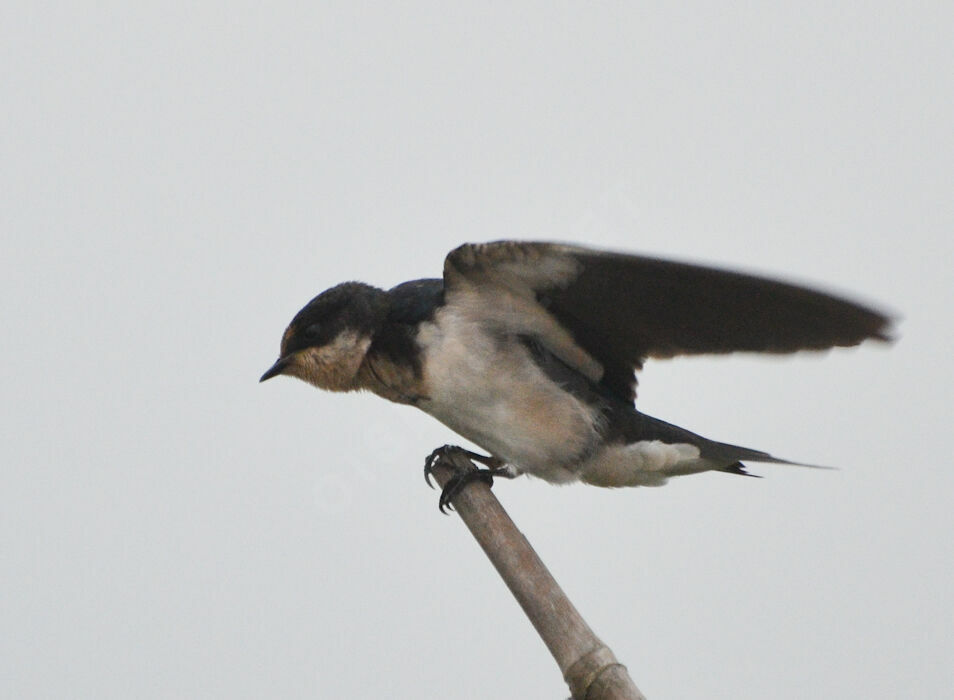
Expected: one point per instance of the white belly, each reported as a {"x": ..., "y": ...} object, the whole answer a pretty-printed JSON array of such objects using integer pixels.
[{"x": 487, "y": 389}]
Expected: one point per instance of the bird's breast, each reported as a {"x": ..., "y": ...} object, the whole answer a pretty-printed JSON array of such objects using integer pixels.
[{"x": 486, "y": 387}]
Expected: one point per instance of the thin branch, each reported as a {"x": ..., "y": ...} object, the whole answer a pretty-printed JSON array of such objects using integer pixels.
[{"x": 588, "y": 666}]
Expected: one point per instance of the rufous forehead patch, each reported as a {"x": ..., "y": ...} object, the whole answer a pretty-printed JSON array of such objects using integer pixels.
[{"x": 289, "y": 332}]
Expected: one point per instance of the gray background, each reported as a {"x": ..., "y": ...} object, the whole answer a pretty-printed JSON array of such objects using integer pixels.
[{"x": 178, "y": 179}]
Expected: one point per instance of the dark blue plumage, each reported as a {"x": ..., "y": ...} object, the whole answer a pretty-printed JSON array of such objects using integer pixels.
[{"x": 530, "y": 351}]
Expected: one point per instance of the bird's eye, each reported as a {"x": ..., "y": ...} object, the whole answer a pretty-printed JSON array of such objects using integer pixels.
[{"x": 313, "y": 331}]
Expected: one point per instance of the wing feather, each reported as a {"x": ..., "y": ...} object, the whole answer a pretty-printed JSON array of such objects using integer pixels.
[{"x": 622, "y": 309}]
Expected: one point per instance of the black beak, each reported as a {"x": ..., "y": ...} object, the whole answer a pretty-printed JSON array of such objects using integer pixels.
[{"x": 275, "y": 369}]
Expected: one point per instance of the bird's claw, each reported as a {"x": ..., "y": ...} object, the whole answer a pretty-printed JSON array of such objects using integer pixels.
[
  {"x": 431, "y": 461},
  {"x": 457, "y": 483},
  {"x": 463, "y": 473}
]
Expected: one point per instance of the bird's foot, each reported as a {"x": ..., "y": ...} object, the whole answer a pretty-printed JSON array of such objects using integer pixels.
[
  {"x": 445, "y": 455},
  {"x": 462, "y": 462}
]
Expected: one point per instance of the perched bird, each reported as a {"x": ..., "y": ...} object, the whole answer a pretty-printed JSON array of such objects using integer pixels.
[{"x": 530, "y": 350}]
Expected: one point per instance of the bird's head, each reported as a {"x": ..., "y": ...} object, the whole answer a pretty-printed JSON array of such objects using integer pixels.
[{"x": 328, "y": 339}]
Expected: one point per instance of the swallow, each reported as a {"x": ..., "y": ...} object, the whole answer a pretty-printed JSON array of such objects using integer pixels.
[{"x": 530, "y": 351}]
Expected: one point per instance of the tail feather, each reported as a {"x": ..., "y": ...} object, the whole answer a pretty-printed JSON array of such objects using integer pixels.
[
  {"x": 632, "y": 427},
  {"x": 738, "y": 468},
  {"x": 737, "y": 453}
]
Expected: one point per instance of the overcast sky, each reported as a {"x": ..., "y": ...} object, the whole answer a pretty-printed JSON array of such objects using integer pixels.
[{"x": 179, "y": 179}]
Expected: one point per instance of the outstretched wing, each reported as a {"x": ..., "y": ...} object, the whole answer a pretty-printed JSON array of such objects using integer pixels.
[{"x": 605, "y": 313}]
